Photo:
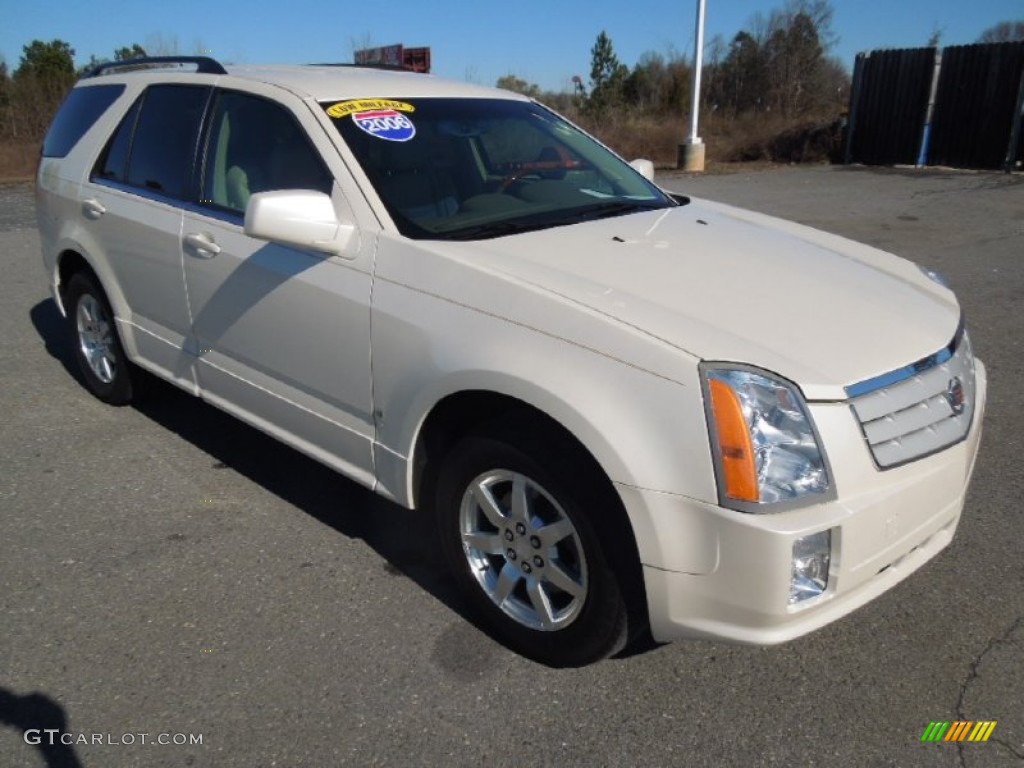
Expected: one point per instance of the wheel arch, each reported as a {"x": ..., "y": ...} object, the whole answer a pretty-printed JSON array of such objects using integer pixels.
[
  {"x": 471, "y": 410},
  {"x": 483, "y": 412},
  {"x": 71, "y": 259},
  {"x": 457, "y": 415},
  {"x": 478, "y": 411},
  {"x": 69, "y": 263}
]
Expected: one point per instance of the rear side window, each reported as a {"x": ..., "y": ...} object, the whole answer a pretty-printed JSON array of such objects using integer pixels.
[
  {"x": 79, "y": 112},
  {"x": 113, "y": 163}
]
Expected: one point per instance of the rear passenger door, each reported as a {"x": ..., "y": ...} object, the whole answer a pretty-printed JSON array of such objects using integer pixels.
[
  {"x": 133, "y": 203},
  {"x": 281, "y": 335}
]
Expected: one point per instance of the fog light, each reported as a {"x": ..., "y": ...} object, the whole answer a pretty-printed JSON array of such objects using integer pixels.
[{"x": 811, "y": 555}]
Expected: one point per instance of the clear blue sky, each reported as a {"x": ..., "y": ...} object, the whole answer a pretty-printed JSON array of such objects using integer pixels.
[{"x": 543, "y": 41}]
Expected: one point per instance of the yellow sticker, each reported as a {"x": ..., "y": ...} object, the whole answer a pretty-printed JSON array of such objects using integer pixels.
[{"x": 343, "y": 108}]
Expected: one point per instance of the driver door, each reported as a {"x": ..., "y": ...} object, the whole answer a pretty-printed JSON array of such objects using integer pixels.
[{"x": 281, "y": 336}]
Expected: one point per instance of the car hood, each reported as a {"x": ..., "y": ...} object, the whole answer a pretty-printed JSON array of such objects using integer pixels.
[{"x": 726, "y": 284}]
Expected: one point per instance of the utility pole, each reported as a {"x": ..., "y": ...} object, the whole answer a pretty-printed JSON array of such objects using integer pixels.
[{"x": 691, "y": 152}]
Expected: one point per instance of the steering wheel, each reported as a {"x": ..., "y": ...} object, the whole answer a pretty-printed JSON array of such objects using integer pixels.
[{"x": 565, "y": 162}]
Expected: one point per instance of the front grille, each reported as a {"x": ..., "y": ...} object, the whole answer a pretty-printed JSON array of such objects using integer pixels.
[{"x": 920, "y": 409}]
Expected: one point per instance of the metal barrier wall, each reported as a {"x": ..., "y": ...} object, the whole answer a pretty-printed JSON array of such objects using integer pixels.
[
  {"x": 888, "y": 102},
  {"x": 961, "y": 106}
]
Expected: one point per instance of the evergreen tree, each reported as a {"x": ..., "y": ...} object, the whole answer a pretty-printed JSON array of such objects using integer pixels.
[
  {"x": 53, "y": 61},
  {"x": 515, "y": 84},
  {"x": 135, "y": 51},
  {"x": 607, "y": 76}
]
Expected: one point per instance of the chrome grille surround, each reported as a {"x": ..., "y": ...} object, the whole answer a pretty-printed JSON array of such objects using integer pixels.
[{"x": 919, "y": 409}]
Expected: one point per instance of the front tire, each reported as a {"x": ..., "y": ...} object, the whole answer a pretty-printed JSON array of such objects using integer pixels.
[
  {"x": 97, "y": 348},
  {"x": 521, "y": 534}
]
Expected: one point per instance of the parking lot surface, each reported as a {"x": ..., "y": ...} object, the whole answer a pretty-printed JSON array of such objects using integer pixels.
[{"x": 166, "y": 570}]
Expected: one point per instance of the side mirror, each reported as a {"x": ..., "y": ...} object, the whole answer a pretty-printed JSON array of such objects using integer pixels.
[
  {"x": 297, "y": 217},
  {"x": 644, "y": 167}
]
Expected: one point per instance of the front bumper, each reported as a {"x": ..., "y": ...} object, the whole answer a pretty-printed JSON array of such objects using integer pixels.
[{"x": 715, "y": 573}]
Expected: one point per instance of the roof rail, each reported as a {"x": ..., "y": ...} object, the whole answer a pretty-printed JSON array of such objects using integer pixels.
[{"x": 204, "y": 64}]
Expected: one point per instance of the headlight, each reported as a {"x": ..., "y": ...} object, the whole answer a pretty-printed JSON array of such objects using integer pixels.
[{"x": 765, "y": 447}]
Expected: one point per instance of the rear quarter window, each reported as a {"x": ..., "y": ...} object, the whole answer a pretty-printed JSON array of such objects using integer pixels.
[{"x": 79, "y": 112}]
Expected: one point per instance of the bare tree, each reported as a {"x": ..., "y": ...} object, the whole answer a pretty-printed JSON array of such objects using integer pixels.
[
  {"x": 361, "y": 43},
  {"x": 200, "y": 48},
  {"x": 779, "y": 64},
  {"x": 159, "y": 45},
  {"x": 820, "y": 14},
  {"x": 1003, "y": 32}
]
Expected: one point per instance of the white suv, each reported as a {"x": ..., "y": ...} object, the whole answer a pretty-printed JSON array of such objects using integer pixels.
[{"x": 626, "y": 409}]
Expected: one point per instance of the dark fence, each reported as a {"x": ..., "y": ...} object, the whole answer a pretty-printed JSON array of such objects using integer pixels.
[
  {"x": 888, "y": 101},
  {"x": 962, "y": 106}
]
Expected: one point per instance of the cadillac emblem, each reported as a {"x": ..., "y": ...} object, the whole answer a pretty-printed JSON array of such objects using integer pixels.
[{"x": 955, "y": 395}]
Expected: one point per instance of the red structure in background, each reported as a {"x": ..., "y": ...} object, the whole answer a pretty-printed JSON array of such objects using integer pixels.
[{"x": 414, "y": 59}]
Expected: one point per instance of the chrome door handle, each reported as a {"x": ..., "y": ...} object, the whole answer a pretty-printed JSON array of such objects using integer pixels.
[
  {"x": 202, "y": 245},
  {"x": 92, "y": 208}
]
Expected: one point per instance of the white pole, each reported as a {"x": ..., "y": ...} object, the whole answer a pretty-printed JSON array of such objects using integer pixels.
[
  {"x": 691, "y": 154},
  {"x": 698, "y": 64}
]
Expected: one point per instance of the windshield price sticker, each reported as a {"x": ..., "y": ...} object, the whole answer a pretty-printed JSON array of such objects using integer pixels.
[
  {"x": 345, "y": 108},
  {"x": 387, "y": 124},
  {"x": 381, "y": 118}
]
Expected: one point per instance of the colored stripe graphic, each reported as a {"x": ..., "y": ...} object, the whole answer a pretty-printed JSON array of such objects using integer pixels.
[
  {"x": 959, "y": 730},
  {"x": 982, "y": 730}
]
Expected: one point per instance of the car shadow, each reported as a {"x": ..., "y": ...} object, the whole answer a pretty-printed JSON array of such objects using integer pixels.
[
  {"x": 50, "y": 326},
  {"x": 405, "y": 539}
]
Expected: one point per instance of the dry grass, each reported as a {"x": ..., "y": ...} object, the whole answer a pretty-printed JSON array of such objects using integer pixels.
[
  {"x": 810, "y": 139},
  {"x": 748, "y": 138},
  {"x": 635, "y": 136},
  {"x": 18, "y": 160}
]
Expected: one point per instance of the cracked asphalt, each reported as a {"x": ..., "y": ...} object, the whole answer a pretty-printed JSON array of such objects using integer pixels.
[{"x": 166, "y": 569}]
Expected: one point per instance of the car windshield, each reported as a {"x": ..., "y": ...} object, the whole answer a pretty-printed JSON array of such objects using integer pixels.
[{"x": 467, "y": 169}]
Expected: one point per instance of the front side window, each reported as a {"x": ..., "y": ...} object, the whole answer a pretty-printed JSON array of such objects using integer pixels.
[
  {"x": 463, "y": 169},
  {"x": 154, "y": 146},
  {"x": 254, "y": 146},
  {"x": 165, "y": 138}
]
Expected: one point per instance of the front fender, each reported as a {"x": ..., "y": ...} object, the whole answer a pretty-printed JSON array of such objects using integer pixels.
[{"x": 645, "y": 430}]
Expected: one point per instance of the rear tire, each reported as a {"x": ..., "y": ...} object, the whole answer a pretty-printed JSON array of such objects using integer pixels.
[
  {"x": 522, "y": 535},
  {"x": 97, "y": 347}
]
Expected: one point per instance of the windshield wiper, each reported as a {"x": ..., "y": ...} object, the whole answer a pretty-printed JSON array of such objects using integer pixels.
[
  {"x": 496, "y": 229},
  {"x": 516, "y": 226},
  {"x": 609, "y": 209}
]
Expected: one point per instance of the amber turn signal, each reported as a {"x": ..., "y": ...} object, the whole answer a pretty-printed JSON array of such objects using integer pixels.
[{"x": 734, "y": 444}]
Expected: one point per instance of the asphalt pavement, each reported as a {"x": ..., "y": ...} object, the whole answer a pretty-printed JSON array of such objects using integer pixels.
[{"x": 166, "y": 570}]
